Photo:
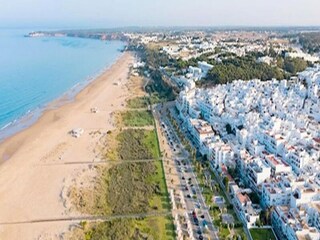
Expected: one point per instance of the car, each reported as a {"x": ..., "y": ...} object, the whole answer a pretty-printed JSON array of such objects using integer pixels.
[
  {"x": 199, "y": 231},
  {"x": 188, "y": 196},
  {"x": 200, "y": 237},
  {"x": 196, "y": 221},
  {"x": 204, "y": 223},
  {"x": 194, "y": 213},
  {"x": 202, "y": 216},
  {"x": 189, "y": 179},
  {"x": 186, "y": 188},
  {"x": 183, "y": 178}
]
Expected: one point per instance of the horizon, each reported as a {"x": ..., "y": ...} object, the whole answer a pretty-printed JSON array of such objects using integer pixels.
[
  {"x": 173, "y": 27},
  {"x": 178, "y": 13}
]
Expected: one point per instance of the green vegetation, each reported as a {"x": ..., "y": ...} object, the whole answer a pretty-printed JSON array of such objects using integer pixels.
[
  {"x": 294, "y": 65},
  {"x": 137, "y": 144},
  {"x": 155, "y": 58},
  {"x": 137, "y": 118},
  {"x": 310, "y": 41},
  {"x": 159, "y": 89},
  {"x": 262, "y": 234},
  {"x": 136, "y": 188},
  {"x": 233, "y": 67},
  {"x": 138, "y": 102},
  {"x": 126, "y": 186},
  {"x": 244, "y": 68},
  {"x": 159, "y": 201},
  {"x": 157, "y": 228},
  {"x": 223, "y": 232}
]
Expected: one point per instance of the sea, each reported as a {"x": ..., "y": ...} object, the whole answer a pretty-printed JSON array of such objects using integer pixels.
[{"x": 36, "y": 71}]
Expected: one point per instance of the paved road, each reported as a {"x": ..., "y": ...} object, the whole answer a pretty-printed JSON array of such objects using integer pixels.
[{"x": 189, "y": 185}]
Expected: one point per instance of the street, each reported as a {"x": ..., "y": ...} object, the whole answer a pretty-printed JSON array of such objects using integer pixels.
[{"x": 189, "y": 201}]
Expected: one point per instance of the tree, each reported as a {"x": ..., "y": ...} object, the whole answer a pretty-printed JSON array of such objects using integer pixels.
[
  {"x": 265, "y": 215},
  {"x": 254, "y": 198},
  {"x": 294, "y": 65},
  {"x": 259, "y": 223},
  {"x": 226, "y": 183},
  {"x": 229, "y": 129},
  {"x": 272, "y": 52}
]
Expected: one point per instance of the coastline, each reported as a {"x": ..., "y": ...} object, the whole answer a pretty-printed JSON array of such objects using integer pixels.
[
  {"x": 36, "y": 161},
  {"x": 31, "y": 117}
]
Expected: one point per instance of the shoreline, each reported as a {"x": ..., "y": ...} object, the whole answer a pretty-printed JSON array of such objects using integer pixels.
[
  {"x": 37, "y": 162},
  {"x": 32, "y": 116},
  {"x": 70, "y": 96}
]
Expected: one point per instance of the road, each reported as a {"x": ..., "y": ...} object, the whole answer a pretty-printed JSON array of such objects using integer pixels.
[{"x": 188, "y": 184}]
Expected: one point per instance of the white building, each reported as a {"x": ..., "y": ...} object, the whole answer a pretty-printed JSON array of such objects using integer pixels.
[
  {"x": 205, "y": 68},
  {"x": 249, "y": 213},
  {"x": 292, "y": 224}
]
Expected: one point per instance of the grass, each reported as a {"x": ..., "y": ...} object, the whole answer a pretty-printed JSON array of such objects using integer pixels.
[
  {"x": 262, "y": 234},
  {"x": 152, "y": 143},
  {"x": 160, "y": 201},
  {"x": 138, "y": 102},
  {"x": 137, "y": 144},
  {"x": 223, "y": 232},
  {"x": 137, "y": 118},
  {"x": 127, "y": 187},
  {"x": 161, "y": 228},
  {"x": 156, "y": 228}
]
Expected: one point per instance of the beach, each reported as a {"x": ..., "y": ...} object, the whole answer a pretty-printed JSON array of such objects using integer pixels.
[{"x": 39, "y": 163}]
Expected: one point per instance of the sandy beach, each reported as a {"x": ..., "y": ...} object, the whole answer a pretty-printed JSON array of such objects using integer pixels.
[{"x": 38, "y": 163}]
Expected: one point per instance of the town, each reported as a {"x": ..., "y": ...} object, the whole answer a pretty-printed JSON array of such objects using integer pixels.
[{"x": 257, "y": 134}]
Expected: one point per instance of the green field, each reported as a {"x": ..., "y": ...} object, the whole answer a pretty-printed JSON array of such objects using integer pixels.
[
  {"x": 156, "y": 228},
  {"x": 137, "y": 144},
  {"x": 128, "y": 187},
  {"x": 262, "y": 234},
  {"x": 136, "y": 188},
  {"x": 138, "y": 102},
  {"x": 159, "y": 201},
  {"x": 137, "y": 118}
]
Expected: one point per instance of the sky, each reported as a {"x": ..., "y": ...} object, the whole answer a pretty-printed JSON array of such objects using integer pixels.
[{"x": 117, "y": 13}]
